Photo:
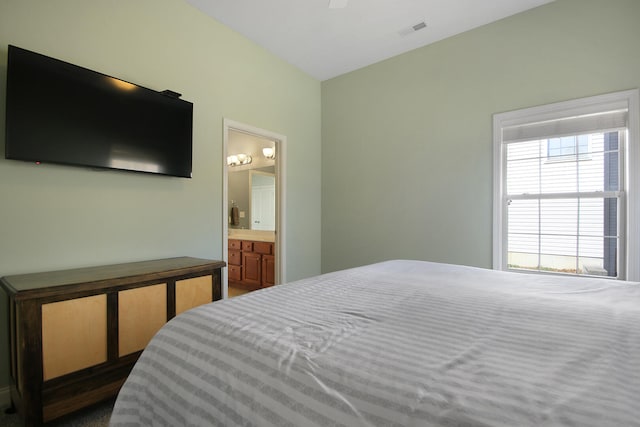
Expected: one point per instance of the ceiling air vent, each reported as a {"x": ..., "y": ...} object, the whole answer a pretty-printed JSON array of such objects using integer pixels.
[
  {"x": 410, "y": 30},
  {"x": 337, "y": 4}
]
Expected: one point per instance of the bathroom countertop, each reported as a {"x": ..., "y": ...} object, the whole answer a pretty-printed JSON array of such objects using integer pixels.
[{"x": 255, "y": 235}]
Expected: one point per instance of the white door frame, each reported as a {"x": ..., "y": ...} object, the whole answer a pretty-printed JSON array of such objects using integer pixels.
[{"x": 280, "y": 164}]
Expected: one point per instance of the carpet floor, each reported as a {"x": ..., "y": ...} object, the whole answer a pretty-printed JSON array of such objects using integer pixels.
[{"x": 94, "y": 416}]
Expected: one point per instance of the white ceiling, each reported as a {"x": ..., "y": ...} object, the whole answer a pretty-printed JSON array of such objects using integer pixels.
[{"x": 326, "y": 42}]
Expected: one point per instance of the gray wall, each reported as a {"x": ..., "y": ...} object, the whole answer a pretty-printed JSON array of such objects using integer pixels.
[
  {"x": 56, "y": 217},
  {"x": 407, "y": 143}
]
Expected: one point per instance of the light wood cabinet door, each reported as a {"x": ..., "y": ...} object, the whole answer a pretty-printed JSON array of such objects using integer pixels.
[
  {"x": 193, "y": 292},
  {"x": 74, "y": 335},
  {"x": 141, "y": 313}
]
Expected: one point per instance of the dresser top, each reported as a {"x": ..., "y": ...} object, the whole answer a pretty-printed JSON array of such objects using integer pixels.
[{"x": 142, "y": 270}]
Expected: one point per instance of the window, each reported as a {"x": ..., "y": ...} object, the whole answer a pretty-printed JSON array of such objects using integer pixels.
[
  {"x": 567, "y": 147},
  {"x": 564, "y": 197}
]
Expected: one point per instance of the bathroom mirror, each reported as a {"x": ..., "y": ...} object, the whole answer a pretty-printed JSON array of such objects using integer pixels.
[
  {"x": 262, "y": 207},
  {"x": 252, "y": 194}
]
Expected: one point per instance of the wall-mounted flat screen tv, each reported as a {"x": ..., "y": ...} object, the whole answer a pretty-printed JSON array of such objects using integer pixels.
[{"x": 61, "y": 113}]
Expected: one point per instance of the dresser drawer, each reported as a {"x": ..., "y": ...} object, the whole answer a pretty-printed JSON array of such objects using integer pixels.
[
  {"x": 235, "y": 244},
  {"x": 247, "y": 246},
  {"x": 235, "y": 273},
  {"x": 265, "y": 248},
  {"x": 235, "y": 257}
]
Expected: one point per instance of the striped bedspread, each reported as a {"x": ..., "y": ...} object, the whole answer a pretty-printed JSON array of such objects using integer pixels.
[{"x": 399, "y": 343}]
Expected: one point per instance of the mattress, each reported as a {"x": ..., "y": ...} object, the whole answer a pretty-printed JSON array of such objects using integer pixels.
[{"x": 398, "y": 343}]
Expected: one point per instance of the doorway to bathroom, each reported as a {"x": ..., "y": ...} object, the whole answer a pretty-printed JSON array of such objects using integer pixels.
[{"x": 253, "y": 208}]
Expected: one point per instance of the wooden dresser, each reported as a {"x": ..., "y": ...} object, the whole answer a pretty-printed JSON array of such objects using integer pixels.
[
  {"x": 251, "y": 264},
  {"x": 76, "y": 334}
]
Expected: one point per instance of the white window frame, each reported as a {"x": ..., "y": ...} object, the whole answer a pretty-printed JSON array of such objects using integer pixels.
[{"x": 629, "y": 99}]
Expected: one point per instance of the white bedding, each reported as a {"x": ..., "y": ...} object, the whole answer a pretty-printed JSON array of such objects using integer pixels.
[{"x": 399, "y": 343}]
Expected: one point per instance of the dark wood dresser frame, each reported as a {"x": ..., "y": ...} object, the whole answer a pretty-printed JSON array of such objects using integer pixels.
[{"x": 40, "y": 401}]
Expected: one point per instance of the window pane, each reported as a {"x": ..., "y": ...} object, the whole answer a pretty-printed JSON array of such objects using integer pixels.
[
  {"x": 610, "y": 259},
  {"x": 611, "y": 161},
  {"x": 523, "y": 176},
  {"x": 523, "y": 165},
  {"x": 611, "y": 236},
  {"x": 583, "y": 144},
  {"x": 591, "y": 173},
  {"x": 523, "y": 240},
  {"x": 558, "y": 263},
  {"x": 559, "y": 177},
  {"x": 524, "y": 260},
  {"x": 595, "y": 168},
  {"x": 592, "y": 217},
  {"x": 598, "y": 256},
  {"x": 523, "y": 217},
  {"x": 559, "y": 217},
  {"x": 523, "y": 251},
  {"x": 577, "y": 236},
  {"x": 552, "y": 244},
  {"x": 524, "y": 150},
  {"x": 591, "y": 247}
]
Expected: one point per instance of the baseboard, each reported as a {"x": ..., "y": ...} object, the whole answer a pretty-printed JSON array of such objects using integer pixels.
[{"x": 5, "y": 398}]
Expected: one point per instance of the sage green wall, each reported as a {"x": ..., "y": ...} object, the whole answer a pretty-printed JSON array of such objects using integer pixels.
[
  {"x": 407, "y": 143},
  {"x": 55, "y": 217}
]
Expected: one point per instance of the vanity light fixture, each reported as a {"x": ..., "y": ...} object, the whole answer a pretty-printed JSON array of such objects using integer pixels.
[
  {"x": 269, "y": 152},
  {"x": 238, "y": 159}
]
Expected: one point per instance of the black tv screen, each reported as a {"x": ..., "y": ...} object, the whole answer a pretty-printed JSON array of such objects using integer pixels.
[{"x": 61, "y": 113}]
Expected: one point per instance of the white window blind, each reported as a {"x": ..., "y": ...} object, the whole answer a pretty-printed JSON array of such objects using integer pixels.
[{"x": 565, "y": 126}]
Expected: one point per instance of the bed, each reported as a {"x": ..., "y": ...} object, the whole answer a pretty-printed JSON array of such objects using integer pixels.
[{"x": 398, "y": 343}]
